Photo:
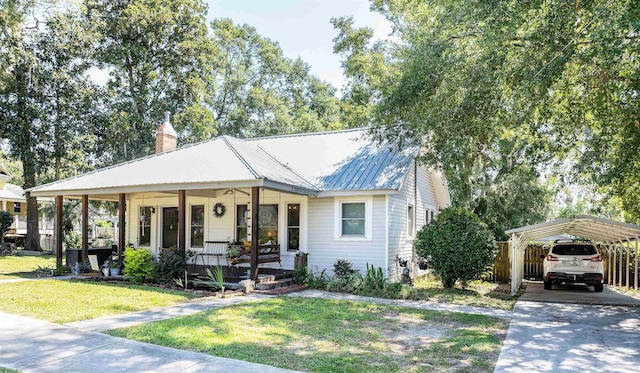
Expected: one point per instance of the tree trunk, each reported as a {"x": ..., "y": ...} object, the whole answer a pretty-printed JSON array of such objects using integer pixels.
[{"x": 32, "y": 241}]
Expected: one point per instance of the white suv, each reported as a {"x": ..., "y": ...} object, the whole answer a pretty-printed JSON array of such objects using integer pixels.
[{"x": 573, "y": 262}]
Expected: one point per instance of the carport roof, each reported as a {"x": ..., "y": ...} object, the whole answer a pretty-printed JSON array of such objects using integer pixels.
[{"x": 585, "y": 226}]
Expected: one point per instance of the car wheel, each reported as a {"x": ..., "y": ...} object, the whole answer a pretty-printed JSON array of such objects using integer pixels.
[
  {"x": 598, "y": 287},
  {"x": 547, "y": 285}
]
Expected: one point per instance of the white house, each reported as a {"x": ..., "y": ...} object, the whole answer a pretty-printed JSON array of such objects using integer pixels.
[{"x": 332, "y": 195}]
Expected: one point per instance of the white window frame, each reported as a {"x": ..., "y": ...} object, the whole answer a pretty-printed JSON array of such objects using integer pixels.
[
  {"x": 368, "y": 218},
  {"x": 190, "y": 227},
  {"x": 17, "y": 207}
]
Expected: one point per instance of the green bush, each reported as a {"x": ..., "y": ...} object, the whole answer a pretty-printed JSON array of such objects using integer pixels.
[
  {"x": 72, "y": 240},
  {"x": 171, "y": 264},
  {"x": 458, "y": 246},
  {"x": 138, "y": 265},
  {"x": 342, "y": 269}
]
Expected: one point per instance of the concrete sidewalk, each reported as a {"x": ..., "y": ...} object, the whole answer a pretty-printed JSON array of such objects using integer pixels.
[{"x": 32, "y": 345}]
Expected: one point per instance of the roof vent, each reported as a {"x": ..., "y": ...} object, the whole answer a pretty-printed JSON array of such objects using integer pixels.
[{"x": 166, "y": 136}]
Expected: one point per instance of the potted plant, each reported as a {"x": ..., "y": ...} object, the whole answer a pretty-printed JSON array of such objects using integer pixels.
[
  {"x": 234, "y": 252},
  {"x": 422, "y": 264},
  {"x": 115, "y": 268},
  {"x": 105, "y": 268}
]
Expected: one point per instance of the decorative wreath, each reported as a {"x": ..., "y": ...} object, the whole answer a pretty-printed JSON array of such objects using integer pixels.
[{"x": 219, "y": 210}]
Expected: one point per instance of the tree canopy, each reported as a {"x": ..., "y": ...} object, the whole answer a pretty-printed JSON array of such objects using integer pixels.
[{"x": 500, "y": 92}]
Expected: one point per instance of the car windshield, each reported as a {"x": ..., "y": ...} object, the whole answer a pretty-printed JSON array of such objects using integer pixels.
[{"x": 575, "y": 249}]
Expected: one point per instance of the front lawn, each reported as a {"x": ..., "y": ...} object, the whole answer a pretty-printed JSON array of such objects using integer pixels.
[
  {"x": 477, "y": 293},
  {"x": 66, "y": 301},
  {"x": 24, "y": 266},
  {"x": 321, "y": 335}
]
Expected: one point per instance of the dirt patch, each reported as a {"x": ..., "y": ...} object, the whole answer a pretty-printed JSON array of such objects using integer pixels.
[{"x": 411, "y": 333}]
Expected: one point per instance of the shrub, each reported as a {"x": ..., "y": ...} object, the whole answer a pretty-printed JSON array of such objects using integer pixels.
[
  {"x": 317, "y": 281},
  {"x": 373, "y": 280},
  {"x": 458, "y": 244},
  {"x": 138, "y": 264},
  {"x": 72, "y": 240},
  {"x": 301, "y": 275},
  {"x": 6, "y": 219},
  {"x": 342, "y": 269},
  {"x": 171, "y": 264}
]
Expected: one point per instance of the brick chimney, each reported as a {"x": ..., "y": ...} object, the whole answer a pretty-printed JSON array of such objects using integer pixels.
[{"x": 166, "y": 136}]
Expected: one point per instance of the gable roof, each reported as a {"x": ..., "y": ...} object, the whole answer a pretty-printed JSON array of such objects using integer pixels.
[
  {"x": 305, "y": 164},
  {"x": 11, "y": 192},
  {"x": 586, "y": 226},
  {"x": 342, "y": 160}
]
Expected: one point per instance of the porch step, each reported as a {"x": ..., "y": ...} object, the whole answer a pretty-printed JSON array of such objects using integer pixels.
[{"x": 270, "y": 285}]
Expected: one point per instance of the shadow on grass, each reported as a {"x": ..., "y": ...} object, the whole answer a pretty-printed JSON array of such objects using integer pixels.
[{"x": 320, "y": 335}]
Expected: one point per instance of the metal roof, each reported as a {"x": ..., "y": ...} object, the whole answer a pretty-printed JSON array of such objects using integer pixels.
[
  {"x": 339, "y": 161},
  {"x": 220, "y": 161},
  {"x": 12, "y": 193},
  {"x": 342, "y": 160},
  {"x": 584, "y": 226}
]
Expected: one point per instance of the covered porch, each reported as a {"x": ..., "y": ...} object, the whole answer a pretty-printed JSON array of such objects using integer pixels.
[{"x": 238, "y": 227}]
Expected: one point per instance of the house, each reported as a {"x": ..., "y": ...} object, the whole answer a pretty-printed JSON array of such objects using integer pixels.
[
  {"x": 12, "y": 199},
  {"x": 331, "y": 195}
]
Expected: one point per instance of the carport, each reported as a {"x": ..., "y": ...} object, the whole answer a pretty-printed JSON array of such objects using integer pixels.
[{"x": 619, "y": 240}]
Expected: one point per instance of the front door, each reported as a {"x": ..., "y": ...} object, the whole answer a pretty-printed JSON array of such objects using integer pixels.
[{"x": 169, "y": 227}]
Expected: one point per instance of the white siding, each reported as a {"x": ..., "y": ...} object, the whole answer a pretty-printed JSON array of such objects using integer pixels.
[
  {"x": 419, "y": 193},
  {"x": 323, "y": 246}
]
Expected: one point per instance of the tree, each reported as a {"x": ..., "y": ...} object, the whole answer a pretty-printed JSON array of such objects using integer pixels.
[
  {"x": 6, "y": 219},
  {"x": 494, "y": 88},
  {"x": 43, "y": 97},
  {"x": 155, "y": 52},
  {"x": 458, "y": 246},
  {"x": 253, "y": 90}
]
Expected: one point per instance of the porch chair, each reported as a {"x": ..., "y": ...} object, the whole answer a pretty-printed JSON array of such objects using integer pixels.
[{"x": 212, "y": 248}]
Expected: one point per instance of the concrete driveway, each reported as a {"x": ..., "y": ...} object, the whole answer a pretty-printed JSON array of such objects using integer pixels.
[
  {"x": 562, "y": 337},
  {"x": 577, "y": 294}
]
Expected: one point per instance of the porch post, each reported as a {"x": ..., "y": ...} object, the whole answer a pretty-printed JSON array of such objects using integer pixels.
[
  {"x": 85, "y": 224},
  {"x": 182, "y": 207},
  {"x": 121, "y": 231},
  {"x": 59, "y": 237},
  {"x": 626, "y": 269},
  {"x": 255, "y": 213},
  {"x": 635, "y": 267}
]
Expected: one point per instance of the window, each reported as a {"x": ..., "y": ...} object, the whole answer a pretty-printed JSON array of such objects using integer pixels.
[
  {"x": 169, "y": 227},
  {"x": 144, "y": 238},
  {"x": 197, "y": 226},
  {"x": 268, "y": 223},
  {"x": 293, "y": 227},
  {"x": 410, "y": 220},
  {"x": 353, "y": 219},
  {"x": 17, "y": 207},
  {"x": 429, "y": 214},
  {"x": 241, "y": 223}
]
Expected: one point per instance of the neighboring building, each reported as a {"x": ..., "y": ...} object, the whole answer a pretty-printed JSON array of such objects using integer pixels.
[
  {"x": 12, "y": 199},
  {"x": 332, "y": 195}
]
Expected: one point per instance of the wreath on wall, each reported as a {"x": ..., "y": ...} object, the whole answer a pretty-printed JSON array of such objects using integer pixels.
[{"x": 219, "y": 210}]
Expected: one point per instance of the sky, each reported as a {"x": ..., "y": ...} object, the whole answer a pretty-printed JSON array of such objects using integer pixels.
[{"x": 302, "y": 27}]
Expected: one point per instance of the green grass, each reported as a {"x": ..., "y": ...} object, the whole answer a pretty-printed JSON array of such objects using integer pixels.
[
  {"x": 321, "y": 335},
  {"x": 66, "y": 301},
  {"x": 23, "y": 266},
  {"x": 477, "y": 293}
]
